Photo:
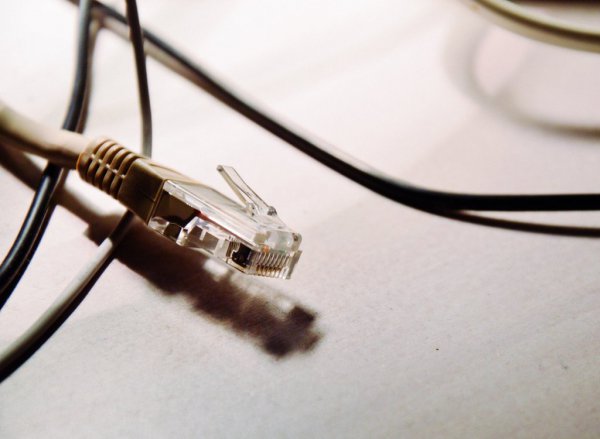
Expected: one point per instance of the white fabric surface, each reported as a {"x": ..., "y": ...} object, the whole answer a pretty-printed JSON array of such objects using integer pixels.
[{"x": 425, "y": 326}]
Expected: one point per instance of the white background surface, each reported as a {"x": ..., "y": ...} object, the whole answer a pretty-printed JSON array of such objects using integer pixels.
[{"x": 424, "y": 326}]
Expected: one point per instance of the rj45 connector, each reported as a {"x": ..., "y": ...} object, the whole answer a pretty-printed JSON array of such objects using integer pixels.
[{"x": 248, "y": 236}]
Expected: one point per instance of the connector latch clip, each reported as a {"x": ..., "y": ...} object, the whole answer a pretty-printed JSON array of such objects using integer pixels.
[{"x": 254, "y": 204}]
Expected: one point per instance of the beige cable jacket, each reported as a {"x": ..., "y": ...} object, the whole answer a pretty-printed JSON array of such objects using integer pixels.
[{"x": 58, "y": 146}]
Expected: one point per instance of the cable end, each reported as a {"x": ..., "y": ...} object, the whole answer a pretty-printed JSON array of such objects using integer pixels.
[{"x": 249, "y": 237}]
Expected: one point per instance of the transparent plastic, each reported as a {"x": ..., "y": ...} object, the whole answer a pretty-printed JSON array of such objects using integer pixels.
[{"x": 248, "y": 237}]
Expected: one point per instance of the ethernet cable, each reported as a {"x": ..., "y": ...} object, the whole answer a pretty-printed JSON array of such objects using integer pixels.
[
  {"x": 247, "y": 235},
  {"x": 429, "y": 200},
  {"x": 27, "y": 343},
  {"x": 17, "y": 259},
  {"x": 549, "y": 32}
]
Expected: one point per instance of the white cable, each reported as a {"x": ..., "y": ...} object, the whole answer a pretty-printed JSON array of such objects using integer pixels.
[{"x": 521, "y": 20}]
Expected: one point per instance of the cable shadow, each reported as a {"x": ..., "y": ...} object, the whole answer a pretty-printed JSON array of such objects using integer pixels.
[
  {"x": 460, "y": 55},
  {"x": 251, "y": 309},
  {"x": 273, "y": 321}
]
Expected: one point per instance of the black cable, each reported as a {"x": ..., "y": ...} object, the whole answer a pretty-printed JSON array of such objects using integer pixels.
[
  {"x": 136, "y": 36},
  {"x": 361, "y": 173},
  {"x": 34, "y": 225},
  {"x": 59, "y": 318}
]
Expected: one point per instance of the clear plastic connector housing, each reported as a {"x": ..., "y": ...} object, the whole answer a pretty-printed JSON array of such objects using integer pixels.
[{"x": 248, "y": 237}]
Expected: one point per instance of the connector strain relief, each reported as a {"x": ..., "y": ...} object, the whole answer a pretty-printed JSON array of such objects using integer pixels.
[{"x": 104, "y": 164}]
